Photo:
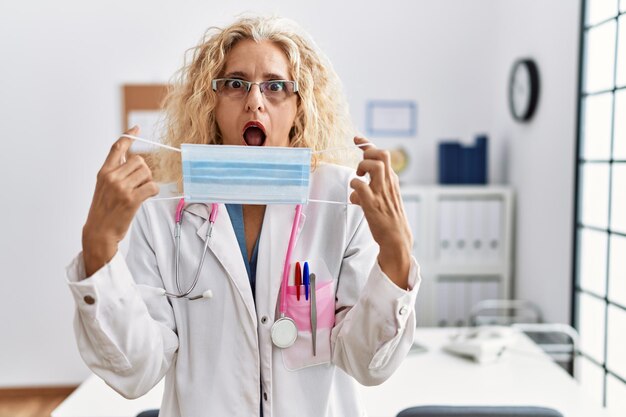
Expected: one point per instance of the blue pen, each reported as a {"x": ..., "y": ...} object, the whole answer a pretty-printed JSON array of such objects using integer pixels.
[{"x": 307, "y": 282}]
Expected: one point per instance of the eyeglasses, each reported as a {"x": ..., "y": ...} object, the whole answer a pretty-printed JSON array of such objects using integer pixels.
[{"x": 276, "y": 90}]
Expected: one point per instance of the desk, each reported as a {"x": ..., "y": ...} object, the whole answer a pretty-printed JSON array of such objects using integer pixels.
[{"x": 523, "y": 376}]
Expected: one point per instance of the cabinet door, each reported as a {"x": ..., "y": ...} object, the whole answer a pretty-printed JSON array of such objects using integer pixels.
[{"x": 412, "y": 207}]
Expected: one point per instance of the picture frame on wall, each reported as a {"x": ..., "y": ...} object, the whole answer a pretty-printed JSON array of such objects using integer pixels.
[
  {"x": 143, "y": 106},
  {"x": 391, "y": 118}
]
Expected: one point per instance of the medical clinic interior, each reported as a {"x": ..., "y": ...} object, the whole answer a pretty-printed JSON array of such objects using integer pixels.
[{"x": 504, "y": 122}]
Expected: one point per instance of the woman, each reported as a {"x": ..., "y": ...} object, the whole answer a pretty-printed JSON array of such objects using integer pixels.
[{"x": 216, "y": 353}]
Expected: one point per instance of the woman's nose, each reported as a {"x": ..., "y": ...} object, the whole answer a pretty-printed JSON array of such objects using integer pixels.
[{"x": 254, "y": 99}]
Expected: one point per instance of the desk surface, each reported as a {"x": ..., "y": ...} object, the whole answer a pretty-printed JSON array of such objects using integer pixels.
[{"x": 524, "y": 375}]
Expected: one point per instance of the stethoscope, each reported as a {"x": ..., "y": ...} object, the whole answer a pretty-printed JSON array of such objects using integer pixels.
[
  {"x": 180, "y": 209},
  {"x": 284, "y": 331}
]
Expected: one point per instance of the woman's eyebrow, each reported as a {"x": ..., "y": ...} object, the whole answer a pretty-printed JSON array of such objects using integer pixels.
[
  {"x": 266, "y": 76},
  {"x": 237, "y": 74},
  {"x": 273, "y": 76}
]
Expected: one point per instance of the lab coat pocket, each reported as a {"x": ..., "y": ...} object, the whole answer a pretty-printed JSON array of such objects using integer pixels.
[{"x": 300, "y": 354}]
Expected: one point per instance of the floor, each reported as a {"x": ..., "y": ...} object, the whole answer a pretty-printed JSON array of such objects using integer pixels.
[{"x": 31, "y": 402}]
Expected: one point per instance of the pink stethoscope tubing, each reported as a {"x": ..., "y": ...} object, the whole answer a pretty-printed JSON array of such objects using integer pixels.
[
  {"x": 286, "y": 268},
  {"x": 284, "y": 331}
]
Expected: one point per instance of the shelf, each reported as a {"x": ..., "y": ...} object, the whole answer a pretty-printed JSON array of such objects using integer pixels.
[{"x": 463, "y": 234}]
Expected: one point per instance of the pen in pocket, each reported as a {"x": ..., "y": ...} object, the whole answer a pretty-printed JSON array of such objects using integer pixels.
[
  {"x": 298, "y": 280},
  {"x": 305, "y": 276}
]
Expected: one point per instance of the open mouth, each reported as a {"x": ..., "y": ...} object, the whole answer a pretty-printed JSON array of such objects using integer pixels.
[{"x": 254, "y": 134}]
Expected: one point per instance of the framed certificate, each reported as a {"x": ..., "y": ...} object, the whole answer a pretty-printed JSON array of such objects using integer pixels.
[{"x": 391, "y": 118}]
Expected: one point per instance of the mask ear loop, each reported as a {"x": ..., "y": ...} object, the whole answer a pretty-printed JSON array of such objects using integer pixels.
[
  {"x": 150, "y": 142},
  {"x": 339, "y": 148},
  {"x": 342, "y": 148},
  {"x": 341, "y": 203}
]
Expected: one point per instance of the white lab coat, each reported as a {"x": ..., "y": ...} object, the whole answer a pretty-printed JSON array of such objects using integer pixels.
[{"x": 216, "y": 354}]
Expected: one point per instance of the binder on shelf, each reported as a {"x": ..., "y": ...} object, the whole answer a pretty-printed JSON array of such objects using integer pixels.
[
  {"x": 475, "y": 292},
  {"x": 456, "y": 295},
  {"x": 480, "y": 230},
  {"x": 460, "y": 305},
  {"x": 474, "y": 162},
  {"x": 443, "y": 295},
  {"x": 494, "y": 229},
  {"x": 482, "y": 150},
  {"x": 460, "y": 164},
  {"x": 449, "y": 162},
  {"x": 474, "y": 226},
  {"x": 461, "y": 232},
  {"x": 491, "y": 289},
  {"x": 453, "y": 312},
  {"x": 447, "y": 225},
  {"x": 467, "y": 166}
]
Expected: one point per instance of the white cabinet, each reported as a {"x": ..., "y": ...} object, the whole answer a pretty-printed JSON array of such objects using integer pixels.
[{"x": 464, "y": 243}]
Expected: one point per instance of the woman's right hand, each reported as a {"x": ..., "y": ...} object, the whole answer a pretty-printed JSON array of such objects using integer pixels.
[{"x": 121, "y": 187}]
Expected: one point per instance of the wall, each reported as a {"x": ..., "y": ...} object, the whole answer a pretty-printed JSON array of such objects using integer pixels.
[
  {"x": 541, "y": 154},
  {"x": 64, "y": 63}
]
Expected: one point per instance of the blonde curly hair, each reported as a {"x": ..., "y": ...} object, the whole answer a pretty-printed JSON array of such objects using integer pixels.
[{"x": 322, "y": 119}]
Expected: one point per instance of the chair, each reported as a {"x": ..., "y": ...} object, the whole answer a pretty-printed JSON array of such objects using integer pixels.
[
  {"x": 149, "y": 413},
  {"x": 559, "y": 341},
  {"x": 478, "y": 411},
  {"x": 504, "y": 312}
]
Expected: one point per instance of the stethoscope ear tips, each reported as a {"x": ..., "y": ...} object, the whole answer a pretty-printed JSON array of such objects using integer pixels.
[{"x": 207, "y": 294}]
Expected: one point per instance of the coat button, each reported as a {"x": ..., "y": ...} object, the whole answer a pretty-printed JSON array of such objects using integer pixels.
[
  {"x": 403, "y": 310},
  {"x": 265, "y": 396},
  {"x": 264, "y": 319},
  {"x": 89, "y": 299}
]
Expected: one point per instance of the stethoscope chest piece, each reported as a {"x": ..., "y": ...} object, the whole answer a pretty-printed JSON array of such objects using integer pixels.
[{"x": 284, "y": 332}]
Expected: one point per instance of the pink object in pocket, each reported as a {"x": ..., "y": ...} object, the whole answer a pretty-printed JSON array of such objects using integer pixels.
[{"x": 300, "y": 310}]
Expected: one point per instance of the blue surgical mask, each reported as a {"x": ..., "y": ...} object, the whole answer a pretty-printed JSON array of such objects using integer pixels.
[{"x": 246, "y": 174}]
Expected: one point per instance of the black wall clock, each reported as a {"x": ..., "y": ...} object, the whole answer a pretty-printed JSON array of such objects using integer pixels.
[{"x": 524, "y": 89}]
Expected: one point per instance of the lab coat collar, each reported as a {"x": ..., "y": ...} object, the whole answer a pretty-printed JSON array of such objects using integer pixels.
[{"x": 201, "y": 210}]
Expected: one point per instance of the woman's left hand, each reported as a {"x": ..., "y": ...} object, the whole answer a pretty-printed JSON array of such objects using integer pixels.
[{"x": 382, "y": 204}]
